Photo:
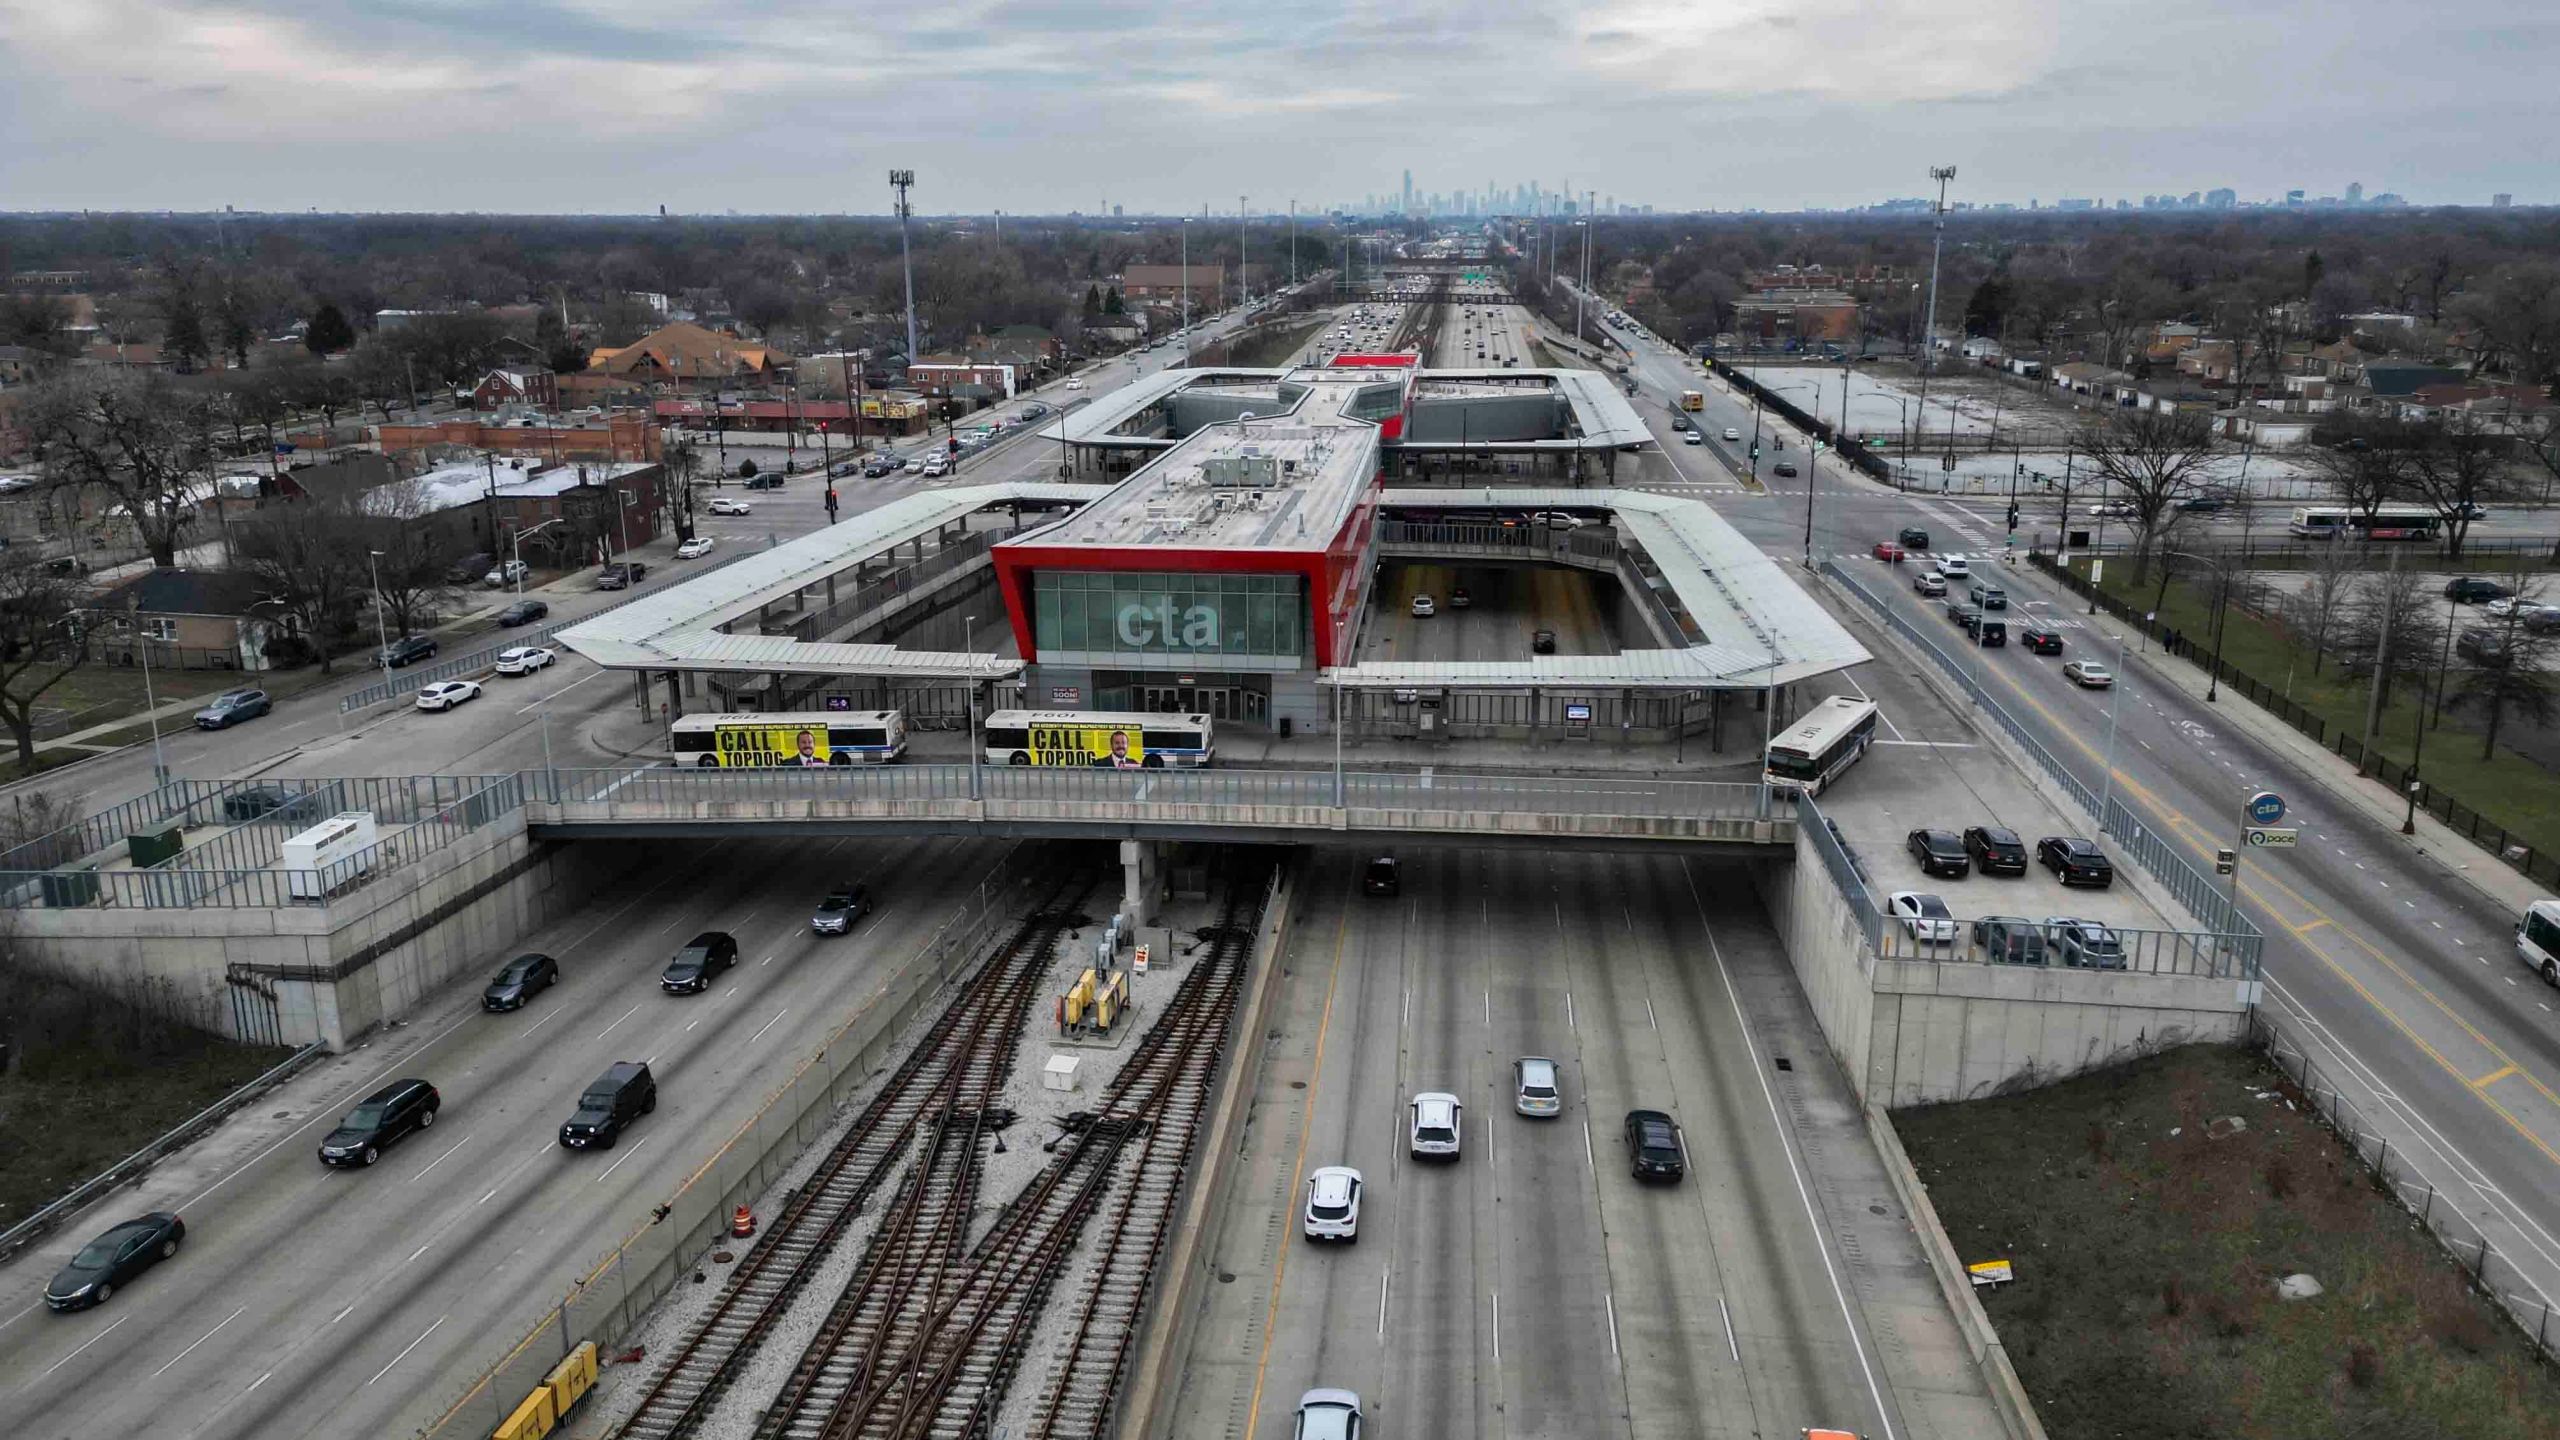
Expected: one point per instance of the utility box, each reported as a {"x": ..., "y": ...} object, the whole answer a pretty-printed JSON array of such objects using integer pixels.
[
  {"x": 71, "y": 886},
  {"x": 1059, "y": 1073},
  {"x": 307, "y": 856},
  {"x": 155, "y": 845}
]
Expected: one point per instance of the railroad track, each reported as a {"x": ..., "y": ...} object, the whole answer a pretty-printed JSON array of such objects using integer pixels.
[
  {"x": 969, "y": 1047},
  {"x": 934, "y": 1358}
]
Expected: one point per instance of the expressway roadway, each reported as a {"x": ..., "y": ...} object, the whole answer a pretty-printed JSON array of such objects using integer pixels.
[
  {"x": 312, "y": 1301},
  {"x": 2397, "y": 972}
]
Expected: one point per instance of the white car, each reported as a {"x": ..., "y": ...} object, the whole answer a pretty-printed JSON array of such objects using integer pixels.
[
  {"x": 507, "y": 573},
  {"x": 695, "y": 548},
  {"x": 1333, "y": 1204},
  {"x": 1534, "y": 1088},
  {"x": 1438, "y": 1126},
  {"x": 1555, "y": 520},
  {"x": 1925, "y": 916},
  {"x": 524, "y": 660},
  {"x": 2515, "y": 606},
  {"x": 1422, "y": 605},
  {"x": 445, "y": 694},
  {"x": 1075, "y": 384},
  {"x": 915, "y": 466},
  {"x": 723, "y": 505},
  {"x": 1694, "y": 437},
  {"x": 1731, "y": 433},
  {"x": 936, "y": 466},
  {"x": 2088, "y": 674},
  {"x": 1327, "y": 1415},
  {"x": 1953, "y": 565}
]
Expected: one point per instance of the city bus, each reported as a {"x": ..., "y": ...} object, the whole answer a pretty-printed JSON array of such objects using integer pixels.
[
  {"x": 1692, "y": 400},
  {"x": 2538, "y": 940},
  {"x": 1099, "y": 739},
  {"x": 1812, "y": 752},
  {"x": 755, "y": 741},
  {"x": 2389, "y": 522}
]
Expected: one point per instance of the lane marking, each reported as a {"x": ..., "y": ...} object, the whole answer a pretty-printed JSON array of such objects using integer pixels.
[
  {"x": 616, "y": 1165},
  {"x": 422, "y": 1174},
  {"x": 1497, "y": 1327},
  {"x": 1730, "y": 1343},
  {"x": 190, "y": 1350},
  {"x": 618, "y": 1019},
  {"x": 1382, "y": 1304},
  {"x": 769, "y": 1024},
  {"x": 1610, "y": 1299},
  {"x": 85, "y": 1344},
  {"x": 414, "y": 1344},
  {"x": 2493, "y": 1077}
]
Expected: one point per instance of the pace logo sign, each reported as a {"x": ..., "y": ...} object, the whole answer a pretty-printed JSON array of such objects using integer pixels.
[{"x": 1157, "y": 621}]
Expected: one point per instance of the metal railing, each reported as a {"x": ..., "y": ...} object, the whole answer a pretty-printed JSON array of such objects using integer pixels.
[
  {"x": 2222, "y": 920},
  {"x": 2203, "y": 954},
  {"x": 1846, "y": 873}
]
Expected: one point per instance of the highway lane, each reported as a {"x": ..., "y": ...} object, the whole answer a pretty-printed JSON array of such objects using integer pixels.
[
  {"x": 1534, "y": 1288},
  {"x": 313, "y": 1301}
]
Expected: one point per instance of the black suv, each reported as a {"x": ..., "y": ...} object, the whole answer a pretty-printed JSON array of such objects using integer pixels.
[
  {"x": 1382, "y": 877},
  {"x": 524, "y": 977},
  {"x": 386, "y": 1116},
  {"x": 1939, "y": 853},
  {"x": 1986, "y": 633},
  {"x": 1996, "y": 850},
  {"x": 407, "y": 650},
  {"x": 2042, "y": 639},
  {"x": 2472, "y": 590},
  {"x": 2075, "y": 861},
  {"x": 838, "y": 913},
  {"x": 1654, "y": 1148},
  {"x": 623, "y": 1093},
  {"x": 704, "y": 956},
  {"x": 1914, "y": 538}
]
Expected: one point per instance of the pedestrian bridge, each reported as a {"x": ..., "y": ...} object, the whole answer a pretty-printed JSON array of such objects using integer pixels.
[{"x": 1258, "y": 806}]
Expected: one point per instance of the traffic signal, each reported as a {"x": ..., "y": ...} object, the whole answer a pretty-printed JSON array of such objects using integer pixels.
[
  {"x": 2013, "y": 515},
  {"x": 1755, "y": 449},
  {"x": 953, "y": 444}
]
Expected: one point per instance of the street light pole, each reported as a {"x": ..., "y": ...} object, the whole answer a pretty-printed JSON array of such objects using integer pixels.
[
  {"x": 1929, "y": 326},
  {"x": 150, "y": 698},
  {"x": 381, "y": 639},
  {"x": 900, "y": 180},
  {"x": 2418, "y": 744},
  {"x": 1186, "y": 292},
  {"x": 969, "y": 643},
  {"x": 2115, "y": 700}
]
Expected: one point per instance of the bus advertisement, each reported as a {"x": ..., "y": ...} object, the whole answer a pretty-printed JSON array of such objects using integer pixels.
[
  {"x": 1096, "y": 739},
  {"x": 1095, "y": 746},
  {"x": 751, "y": 741}
]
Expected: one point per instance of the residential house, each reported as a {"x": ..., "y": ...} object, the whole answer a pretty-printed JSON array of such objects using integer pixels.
[
  {"x": 2395, "y": 380},
  {"x": 688, "y": 356},
  {"x": 185, "y": 619},
  {"x": 516, "y": 385},
  {"x": 2263, "y": 428},
  {"x": 569, "y": 514},
  {"x": 2088, "y": 377},
  {"x": 2339, "y": 360},
  {"x": 1113, "y": 330}
]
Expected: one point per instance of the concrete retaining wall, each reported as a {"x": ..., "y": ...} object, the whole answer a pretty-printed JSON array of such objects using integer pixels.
[{"x": 1832, "y": 959}]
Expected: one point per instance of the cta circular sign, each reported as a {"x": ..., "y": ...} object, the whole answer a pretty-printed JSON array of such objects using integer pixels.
[{"x": 2266, "y": 808}]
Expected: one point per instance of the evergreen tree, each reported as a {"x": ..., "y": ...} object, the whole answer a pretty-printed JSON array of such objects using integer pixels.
[
  {"x": 183, "y": 341},
  {"x": 328, "y": 331}
]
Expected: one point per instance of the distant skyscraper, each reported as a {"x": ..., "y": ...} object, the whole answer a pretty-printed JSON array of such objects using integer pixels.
[
  {"x": 2222, "y": 199},
  {"x": 2501, "y": 201},
  {"x": 2355, "y": 192},
  {"x": 1408, "y": 192}
]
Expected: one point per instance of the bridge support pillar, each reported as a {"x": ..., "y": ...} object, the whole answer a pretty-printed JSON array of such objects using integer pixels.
[{"x": 1141, "y": 871}]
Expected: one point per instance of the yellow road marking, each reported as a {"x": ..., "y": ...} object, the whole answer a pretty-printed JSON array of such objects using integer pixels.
[
  {"x": 2307, "y": 929},
  {"x": 2179, "y": 821},
  {"x": 2493, "y": 1077},
  {"x": 1297, "y": 1172}
]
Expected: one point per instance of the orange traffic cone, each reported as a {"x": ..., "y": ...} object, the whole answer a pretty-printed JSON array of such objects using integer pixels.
[{"x": 743, "y": 1223}]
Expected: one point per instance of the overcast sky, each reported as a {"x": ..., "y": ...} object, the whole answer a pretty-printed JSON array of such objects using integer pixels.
[{"x": 1034, "y": 106}]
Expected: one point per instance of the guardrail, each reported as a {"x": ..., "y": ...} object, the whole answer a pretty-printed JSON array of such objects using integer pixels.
[
  {"x": 17, "y": 1238},
  {"x": 2222, "y": 920},
  {"x": 1846, "y": 872},
  {"x": 2198, "y": 953}
]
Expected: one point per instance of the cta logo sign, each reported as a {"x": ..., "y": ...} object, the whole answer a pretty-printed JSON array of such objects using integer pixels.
[{"x": 1146, "y": 624}]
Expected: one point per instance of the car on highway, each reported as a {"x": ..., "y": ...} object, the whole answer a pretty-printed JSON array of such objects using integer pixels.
[
  {"x": 623, "y": 1093},
  {"x": 1542, "y": 642},
  {"x": 1693, "y": 438},
  {"x": 1939, "y": 852},
  {"x": 407, "y": 650},
  {"x": 2115, "y": 510},
  {"x": 841, "y": 910},
  {"x": 1731, "y": 433},
  {"x": 882, "y": 466},
  {"x": 446, "y": 694},
  {"x": 523, "y": 659},
  {"x": 702, "y": 957},
  {"x": 1930, "y": 583},
  {"x": 1954, "y": 565},
  {"x": 116, "y": 1257},
  {"x": 1924, "y": 915},
  {"x": 524, "y": 612},
  {"x": 1986, "y": 632},
  {"x": 1534, "y": 1087},
  {"x": 2009, "y": 939},
  {"x": 1962, "y": 611},
  {"x": 1989, "y": 596},
  {"x": 1327, "y": 1415},
  {"x": 1438, "y": 1126},
  {"x": 695, "y": 548},
  {"x": 1679, "y": 421},
  {"x": 621, "y": 575},
  {"x": 506, "y": 573},
  {"x": 520, "y": 980},
  {"x": 728, "y": 505},
  {"x": 1995, "y": 850},
  {"x": 2083, "y": 944},
  {"x": 384, "y": 1118},
  {"x": 2088, "y": 674},
  {"x": 1888, "y": 551},
  {"x": 231, "y": 707},
  {"x": 1554, "y": 519},
  {"x": 1383, "y": 875},
  {"x": 1333, "y": 1204},
  {"x": 2040, "y": 638},
  {"x": 2075, "y": 861},
  {"x": 1422, "y": 605},
  {"x": 1459, "y": 599},
  {"x": 1655, "y": 1148}
]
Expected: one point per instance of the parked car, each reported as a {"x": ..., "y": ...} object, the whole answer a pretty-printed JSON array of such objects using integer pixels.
[
  {"x": 1534, "y": 1087},
  {"x": 2040, "y": 638},
  {"x": 117, "y": 1257},
  {"x": 2009, "y": 940},
  {"x": 506, "y": 573},
  {"x": 524, "y": 612},
  {"x": 2084, "y": 944},
  {"x": 2481, "y": 647},
  {"x": 386, "y": 1117},
  {"x": 702, "y": 957},
  {"x": 1438, "y": 1126},
  {"x": 251, "y": 802},
  {"x": 2473, "y": 590},
  {"x": 1940, "y": 852},
  {"x": 1914, "y": 538},
  {"x": 2088, "y": 674},
  {"x": 1655, "y": 1148},
  {"x": 1333, "y": 1204},
  {"x": 523, "y": 659},
  {"x": 623, "y": 1093},
  {"x": 1382, "y": 876},
  {"x": 1924, "y": 915},
  {"x": 1930, "y": 583},
  {"x": 841, "y": 910},
  {"x": 520, "y": 980},
  {"x": 407, "y": 650},
  {"x": 621, "y": 575},
  {"x": 1996, "y": 850},
  {"x": 231, "y": 707},
  {"x": 446, "y": 694},
  {"x": 695, "y": 548},
  {"x": 729, "y": 505},
  {"x": 2075, "y": 861}
]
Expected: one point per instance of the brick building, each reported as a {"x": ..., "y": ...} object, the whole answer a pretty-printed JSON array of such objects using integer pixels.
[
  {"x": 624, "y": 435},
  {"x": 1165, "y": 282}
]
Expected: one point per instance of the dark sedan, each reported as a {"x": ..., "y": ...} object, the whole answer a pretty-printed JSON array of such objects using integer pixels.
[
  {"x": 1939, "y": 852},
  {"x": 523, "y": 612},
  {"x": 114, "y": 1259},
  {"x": 524, "y": 977},
  {"x": 1655, "y": 1150}
]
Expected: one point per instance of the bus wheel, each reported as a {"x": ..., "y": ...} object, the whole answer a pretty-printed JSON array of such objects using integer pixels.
[
  {"x": 1153, "y": 762},
  {"x": 707, "y": 762},
  {"x": 1017, "y": 758}
]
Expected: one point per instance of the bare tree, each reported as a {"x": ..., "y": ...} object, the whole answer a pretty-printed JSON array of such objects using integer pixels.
[
  {"x": 415, "y": 552},
  {"x": 2152, "y": 461},
  {"x": 2511, "y": 673},
  {"x": 2367, "y": 459},
  {"x": 2315, "y": 610},
  {"x": 2460, "y": 468},
  {"x": 135, "y": 438},
  {"x": 2401, "y": 605},
  {"x": 311, "y": 556},
  {"x": 40, "y": 641}
]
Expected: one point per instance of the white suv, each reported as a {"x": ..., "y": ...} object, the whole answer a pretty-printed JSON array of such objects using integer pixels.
[
  {"x": 1534, "y": 1088},
  {"x": 1333, "y": 1204},
  {"x": 1328, "y": 1415},
  {"x": 1953, "y": 565},
  {"x": 1438, "y": 1123}
]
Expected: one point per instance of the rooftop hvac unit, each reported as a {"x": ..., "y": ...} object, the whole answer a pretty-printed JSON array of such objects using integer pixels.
[{"x": 306, "y": 856}]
